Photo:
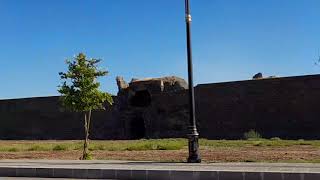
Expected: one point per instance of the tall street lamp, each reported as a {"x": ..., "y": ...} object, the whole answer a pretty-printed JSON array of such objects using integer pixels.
[{"x": 193, "y": 136}]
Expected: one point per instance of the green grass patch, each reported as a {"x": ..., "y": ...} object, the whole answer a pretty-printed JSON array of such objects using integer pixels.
[
  {"x": 60, "y": 148},
  {"x": 275, "y": 139},
  {"x": 139, "y": 145},
  {"x": 13, "y": 150},
  {"x": 88, "y": 156},
  {"x": 257, "y": 142},
  {"x": 148, "y": 144},
  {"x": 38, "y": 148}
]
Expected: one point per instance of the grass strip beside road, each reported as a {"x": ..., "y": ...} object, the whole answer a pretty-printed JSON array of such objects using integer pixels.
[{"x": 145, "y": 144}]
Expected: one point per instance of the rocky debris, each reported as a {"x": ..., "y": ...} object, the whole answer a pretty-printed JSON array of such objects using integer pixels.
[
  {"x": 142, "y": 104},
  {"x": 121, "y": 83},
  {"x": 258, "y": 76},
  {"x": 156, "y": 85},
  {"x": 153, "y": 85},
  {"x": 134, "y": 79},
  {"x": 272, "y": 77}
]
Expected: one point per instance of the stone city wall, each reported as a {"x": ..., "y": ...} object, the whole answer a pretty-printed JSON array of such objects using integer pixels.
[{"x": 158, "y": 108}]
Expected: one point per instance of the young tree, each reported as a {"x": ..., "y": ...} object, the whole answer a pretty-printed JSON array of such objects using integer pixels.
[{"x": 80, "y": 91}]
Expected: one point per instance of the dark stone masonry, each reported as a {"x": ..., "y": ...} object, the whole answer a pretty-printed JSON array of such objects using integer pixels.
[{"x": 157, "y": 108}]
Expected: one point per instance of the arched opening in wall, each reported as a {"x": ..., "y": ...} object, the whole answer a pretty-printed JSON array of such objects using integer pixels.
[
  {"x": 137, "y": 128},
  {"x": 141, "y": 99}
]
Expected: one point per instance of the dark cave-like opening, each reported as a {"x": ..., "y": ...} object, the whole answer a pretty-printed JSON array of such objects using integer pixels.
[
  {"x": 137, "y": 128},
  {"x": 141, "y": 99}
]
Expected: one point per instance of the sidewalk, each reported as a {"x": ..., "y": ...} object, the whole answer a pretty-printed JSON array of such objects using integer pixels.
[{"x": 152, "y": 170}]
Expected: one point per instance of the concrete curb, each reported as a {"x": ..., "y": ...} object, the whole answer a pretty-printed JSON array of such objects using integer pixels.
[
  {"x": 143, "y": 170},
  {"x": 152, "y": 174}
]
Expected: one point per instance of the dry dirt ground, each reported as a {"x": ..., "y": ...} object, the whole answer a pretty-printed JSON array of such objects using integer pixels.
[{"x": 243, "y": 154}]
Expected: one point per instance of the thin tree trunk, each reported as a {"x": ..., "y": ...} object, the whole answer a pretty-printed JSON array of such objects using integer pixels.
[
  {"x": 89, "y": 121},
  {"x": 86, "y": 139}
]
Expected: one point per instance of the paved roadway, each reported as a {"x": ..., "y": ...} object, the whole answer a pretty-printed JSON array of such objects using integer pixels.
[
  {"x": 155, "y": 170},
  {"x": 148, "y": 165},
  {"x": 23, "y": 178}
]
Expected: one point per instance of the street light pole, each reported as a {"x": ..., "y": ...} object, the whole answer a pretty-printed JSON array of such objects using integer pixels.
[{"x": 193, "y": 136}]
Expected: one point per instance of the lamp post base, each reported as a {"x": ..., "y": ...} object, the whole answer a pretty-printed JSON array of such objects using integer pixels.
[{"x": 194, "y": 155}]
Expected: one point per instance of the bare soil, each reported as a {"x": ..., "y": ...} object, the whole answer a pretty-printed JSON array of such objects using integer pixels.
[{"x": 244, "y": 154}]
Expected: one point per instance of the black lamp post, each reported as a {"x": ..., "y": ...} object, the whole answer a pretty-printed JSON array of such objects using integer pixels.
[{"x": 193, "y": 136}]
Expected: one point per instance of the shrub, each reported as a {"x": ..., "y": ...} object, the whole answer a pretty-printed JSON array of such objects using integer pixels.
[
  {"x": 170, "y": 147},
  {"x": 87, "y": 156},
  {"x": 59, "y": 148},
  {"x": 252, "y": 134},
  {"x": 101, "y": 147},
  {"x": 37, "y": 148},
  {"x": 275, "y": 139},
  {"x": 257, "y": 143},
  {"x": 78, "y": 146},
  {"x": 97, "y": 147},
  {"x": 154, "y": 145},
  {"x": 13, "y": 150},
  {"x": 303, "y": 142}
]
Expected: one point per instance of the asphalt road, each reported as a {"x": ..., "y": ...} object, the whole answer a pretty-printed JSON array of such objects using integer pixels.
[
  {"x": 151, "y": 170},
  {"x": 31, "y": 178}
]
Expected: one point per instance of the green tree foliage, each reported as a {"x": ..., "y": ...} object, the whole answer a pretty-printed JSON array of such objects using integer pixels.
[{"x": 80, "y": 91}]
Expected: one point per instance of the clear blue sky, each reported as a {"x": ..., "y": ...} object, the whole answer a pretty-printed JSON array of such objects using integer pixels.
[{"x": 232, "y": 40}]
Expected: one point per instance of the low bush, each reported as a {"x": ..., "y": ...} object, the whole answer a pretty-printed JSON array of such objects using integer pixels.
[
  {"x": 252, "y": 134},
  {"x": 303, "y": 142},
  {"x": 13, "y": 150},
  {"x": 37, "y": 148},
  {"x": 275, "y": 139},
  {"x": 258, "y": 143},
  {"x": 87, "y": 156},
  {"x": 100, "y": 147},
  {"x": 59, "y": 148},
  {"x": 155, "y": 145}
]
